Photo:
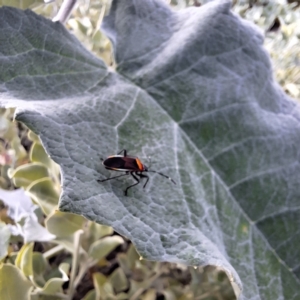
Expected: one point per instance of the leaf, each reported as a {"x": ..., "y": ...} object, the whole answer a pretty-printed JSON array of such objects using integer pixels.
[
  {"x": 45, "y": 297},
  {"x": 119, "y": 281},
  {"x": 33, "y": 231},
  {"x": 93, "y": 232},
  {"x": 24, "y": 259},
  {"x": 64, "y": 224},
  {"x": 22, "y": 211},
  {"x": 38, "y": 154},
  {"x": 44, "y": 193},
  {"x": 19, "y": 4},
  {"x": 39, "y": 266},
  {"x": 10, "y": 278},
  {"x": 149, "y": 295},
  {"x": 39, "y": 263},
  {"x": 97, "y": 231},
  {"x": 19, "y": 204},
  {"x": 194, "y": 90},
  {"x": 33, "y": 137},
  {"x": 103, "y": 288},
  {"x": 128, "y": 260},
  {"x": 91, "y": 295},
  {"x": 103, "y": 247},
  {"x": 54, "y": 285},
  {"x": 4, "y": 239},
  {"x": 24, "y": 175}
]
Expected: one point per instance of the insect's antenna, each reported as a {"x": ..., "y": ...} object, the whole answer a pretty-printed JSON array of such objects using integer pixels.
[{"x": 162, "y": 175}]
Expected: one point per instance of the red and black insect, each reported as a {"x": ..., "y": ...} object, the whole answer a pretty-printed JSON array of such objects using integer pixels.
[{"x": 131, "y": 165}]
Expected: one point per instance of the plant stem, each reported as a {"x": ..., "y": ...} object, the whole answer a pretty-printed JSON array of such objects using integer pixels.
[
  {"x": 64, "y": 11},
  {"x": 53, "y": 251},
  {"x": 75, "y": 262},
  {"x": 141, "y": 290}
]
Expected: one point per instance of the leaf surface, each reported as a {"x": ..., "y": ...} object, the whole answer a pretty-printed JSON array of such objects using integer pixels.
[
  {"x": 10, "y": 278},
  {"x": 195, "y": 91}
]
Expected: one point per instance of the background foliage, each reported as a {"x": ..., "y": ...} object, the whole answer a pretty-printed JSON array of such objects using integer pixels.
[{"x": 109, "y": 259}]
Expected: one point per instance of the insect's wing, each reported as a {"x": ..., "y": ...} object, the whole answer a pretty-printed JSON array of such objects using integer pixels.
[
  {"x": 114, "y": 163},
  {"x": 121, "y": 163},
  {"x": 131, "y": 164}
]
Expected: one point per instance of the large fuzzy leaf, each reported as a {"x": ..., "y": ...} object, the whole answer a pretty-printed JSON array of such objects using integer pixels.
[{"x": 194, "y": 90}]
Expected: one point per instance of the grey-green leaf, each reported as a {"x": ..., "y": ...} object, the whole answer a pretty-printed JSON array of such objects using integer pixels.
[{"x": 194, "y": 90}]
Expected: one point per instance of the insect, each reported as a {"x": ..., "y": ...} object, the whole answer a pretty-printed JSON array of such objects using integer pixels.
[{"x": 131, "y": 165}]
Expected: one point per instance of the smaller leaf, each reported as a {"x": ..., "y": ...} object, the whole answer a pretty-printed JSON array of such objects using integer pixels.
[
  {"x": 4, "y": 168},
  {"x": 20, "y": 151},
  {"x": 24, "y": 175},
  {"x": 149, "y": 295},
  {"x": 64, "y": 224},
  {"x": 128, "y": 260},
  {"x": 33, "y": 231},
  {"x": 19, "y": 204},
  {"x": 91, "y": 295},
  {"x": 33, "y": 137},
  {"x": 38, "y": 296},
  {"x": 97, "y": 231},
  {"x": 39, "y": 265},
  {"x": 19, "y": 4},
  {"x": 137, "y": 288},
  {"x": 13, "y": 284},
  {"x": 20, "y": 207},
  {"x": 103, "y": 247},
  {"x": 102, "y": 286},
  {"x": 4, "y": 239},
  {"x": 99, "y": 279},
  {"x": 24, "y": 259},
  {"x": 118, "y": 280},
  {"x": 121, "y": 296},
  {"x": 44, "y": 193},
  {"x": 54, "y": 285},
  {"x": 103, "y": 230},
  {"x": 169, "y": 294},
  {"x": 39, "y": 155},
  {"x": 7, "y": 130}
]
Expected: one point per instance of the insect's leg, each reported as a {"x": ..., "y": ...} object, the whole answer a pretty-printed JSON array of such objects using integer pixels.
[
  {"x": 137, "y": 182},
  {"x": 99, "y": 180},
  {"x": 141, "y": 175},
  {"x": 125, "y": 152}
]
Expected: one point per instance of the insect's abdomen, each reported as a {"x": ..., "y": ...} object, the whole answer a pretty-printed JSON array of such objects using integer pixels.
[{"x": 121, "y": 163}]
